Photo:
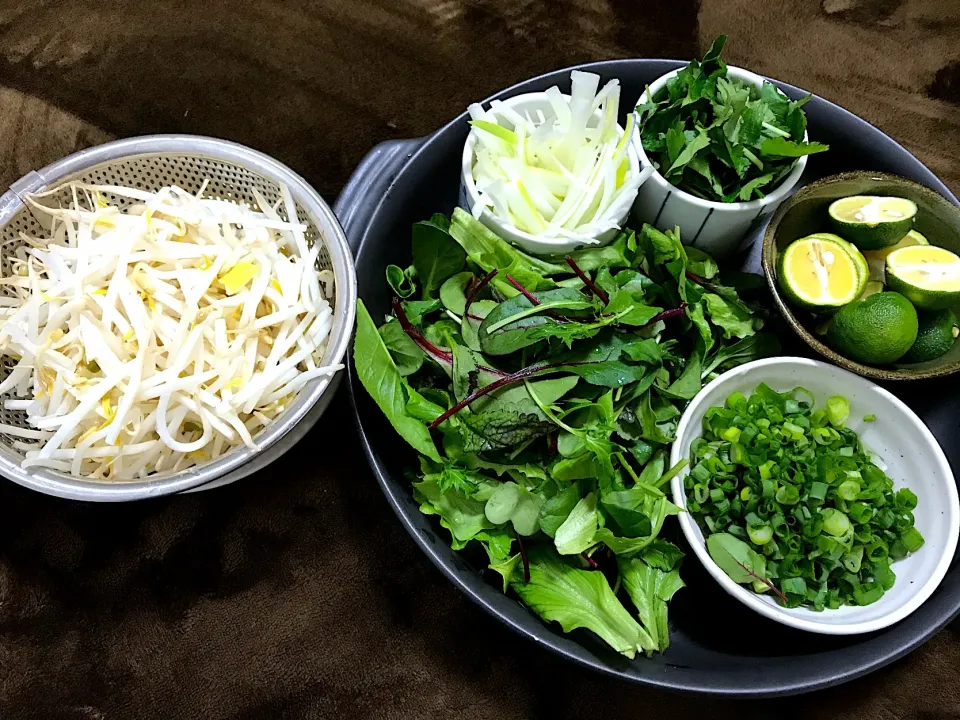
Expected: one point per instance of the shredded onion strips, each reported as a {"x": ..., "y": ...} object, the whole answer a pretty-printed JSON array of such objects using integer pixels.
[{"x": 563, "y": 173}]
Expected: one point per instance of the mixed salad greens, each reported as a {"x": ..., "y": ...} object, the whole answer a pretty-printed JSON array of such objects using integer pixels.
[
  {"x": 720, "y": 138},
  {"x": 541, "y": 395},
  {"x": 791, "y": 502}
]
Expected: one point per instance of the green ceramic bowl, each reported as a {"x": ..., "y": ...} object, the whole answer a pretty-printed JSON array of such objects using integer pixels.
[{"x": 806, "y": 212}]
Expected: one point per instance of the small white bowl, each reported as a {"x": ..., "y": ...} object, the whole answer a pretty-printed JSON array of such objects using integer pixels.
[
  {"x": 533, "y": 103},
  {"x": 715, "y": 227},
  {"x": 913, "y": 458}
]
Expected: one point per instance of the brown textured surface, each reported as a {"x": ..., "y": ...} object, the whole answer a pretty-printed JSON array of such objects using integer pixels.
[{"x": 296, "y": 593}]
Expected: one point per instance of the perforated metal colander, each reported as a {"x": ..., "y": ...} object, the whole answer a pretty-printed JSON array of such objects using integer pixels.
[{"x": 232, "y": 172}]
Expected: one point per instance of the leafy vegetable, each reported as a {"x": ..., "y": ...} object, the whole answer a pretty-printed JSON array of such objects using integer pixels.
[
  {"x": 380, "y": 378},
  {"x": 650, "y": 589},
  {"x": 434, "y": 256},
  {"x": 580, "y": 599},
  {"x": 719, "y": 138},
  {"x": 791, "y": 502},
  {"x": 554, "y": 390}
]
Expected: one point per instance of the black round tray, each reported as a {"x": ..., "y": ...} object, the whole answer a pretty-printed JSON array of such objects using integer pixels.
[{"x": 717, "y": 645}]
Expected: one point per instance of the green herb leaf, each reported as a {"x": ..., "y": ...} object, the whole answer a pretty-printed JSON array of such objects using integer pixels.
[
  {"x": 732, "y": 319},
  {"x": 382, "y": 380},
  {"x": 579, "y": 599},
  {"x": 650, "y": 589},
  {"x": 407, "y": 356},
  {"x": 557, "y": 509},
  {"x": 452, "y": 293},
  {"x": 788, "y": 148}
]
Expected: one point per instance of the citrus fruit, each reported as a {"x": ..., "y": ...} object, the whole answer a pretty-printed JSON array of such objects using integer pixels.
[
  {"x": 929, "y": 276},
  {"x": 877, "y": 259},
  {"x": 872, "y": 222},
  {"x": 820, "y": 273},
  {"x": 858, "y": 257},
  {"x": 876, "y": 331},
  {"x": 936, "y": 334}
]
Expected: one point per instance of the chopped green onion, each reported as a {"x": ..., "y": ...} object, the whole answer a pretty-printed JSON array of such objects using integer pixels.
[
  {"x": 869, "y": 418},
  {"x": 797, "y": 485},
  {"x": 849, "y": 490},
  {"x": 838, "y": 410},
  {"x": 835, "y": 522},
  {"x": 912, "y": 540},
  {"x": 760, "y": 535}
]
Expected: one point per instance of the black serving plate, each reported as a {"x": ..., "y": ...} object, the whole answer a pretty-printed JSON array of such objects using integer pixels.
[{"x": 717, "y": 645}]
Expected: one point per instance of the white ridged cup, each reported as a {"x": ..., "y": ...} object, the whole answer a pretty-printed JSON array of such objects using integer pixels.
[
  {"x": 532, "y": 103},
  {"x": 715, "y": 227}
]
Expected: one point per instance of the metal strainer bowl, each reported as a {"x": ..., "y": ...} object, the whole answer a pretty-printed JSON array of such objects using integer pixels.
[{"x": 233, "y": 172}]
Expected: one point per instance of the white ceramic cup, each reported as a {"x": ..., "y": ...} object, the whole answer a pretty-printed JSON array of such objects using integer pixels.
[
  {"x": 532, "y": 103},
  {"x": 715, "y": 227},
  {"x": 913, "y": 459}
]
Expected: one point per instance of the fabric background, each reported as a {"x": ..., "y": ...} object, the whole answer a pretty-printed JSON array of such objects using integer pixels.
[{"x": 296, "y": 593}]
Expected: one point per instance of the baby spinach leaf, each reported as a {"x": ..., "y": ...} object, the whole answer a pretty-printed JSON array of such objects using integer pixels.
[
  {"x": 701, "y": 264},
  {"x": 732, "y": 319},
  {"x": 452, "y": 293},
  {"x": 688, "y": 384},
  {"x": 576, "y": 533},
  {"x": 382, "y": 380},
  {"x": 578, "y": 598},
  {"x": 464, "y": 372},
  {"x": 555, "y": 511},
  {"x": 416, "y": 310},
  {"x": 626, "y": 507},
  {"x": 631, "y": 308},
  {"x": 470, "y": 325},
  {"x": 407, "y": 356},
  {"x": 609, "y": 256},
  {"x": 645, "y": 351},
  {"x": 736, "y": 558},
  {"x": 579, "y": 467},
  {"x": 401, "y": 281},
  {"x": 435, "y": 256}
]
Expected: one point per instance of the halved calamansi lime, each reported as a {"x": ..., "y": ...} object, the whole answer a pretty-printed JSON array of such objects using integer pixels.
[
  {"x": 877, "y": 259},
  {"x": 929, "y": 276},
  {"x": 872, "y": 222},
  {"x": 858, "y": 257},
  {"x": 820, "y": 273}
]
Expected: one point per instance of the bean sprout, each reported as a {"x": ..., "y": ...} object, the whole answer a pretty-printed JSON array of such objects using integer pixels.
[{"x": 158, "y": 332}]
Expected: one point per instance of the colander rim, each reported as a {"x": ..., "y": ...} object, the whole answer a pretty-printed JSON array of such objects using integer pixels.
[{"x": 271, "y": 438}]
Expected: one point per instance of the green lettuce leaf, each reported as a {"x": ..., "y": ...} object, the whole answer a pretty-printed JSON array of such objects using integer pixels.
[{"x": 577, "y": 598}]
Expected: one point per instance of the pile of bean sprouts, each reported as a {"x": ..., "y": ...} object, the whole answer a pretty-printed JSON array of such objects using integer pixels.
[{"x": 159, "y": 335}]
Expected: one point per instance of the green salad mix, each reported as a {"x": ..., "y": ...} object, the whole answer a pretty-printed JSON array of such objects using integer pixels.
[
  {"x": 791, "y": 502},
  {"x": 541, "y": 395}
]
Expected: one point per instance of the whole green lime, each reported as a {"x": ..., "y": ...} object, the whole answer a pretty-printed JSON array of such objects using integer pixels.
[
  {"x": 936, "y": 334},
  {"x": 877, "y": 330}
]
